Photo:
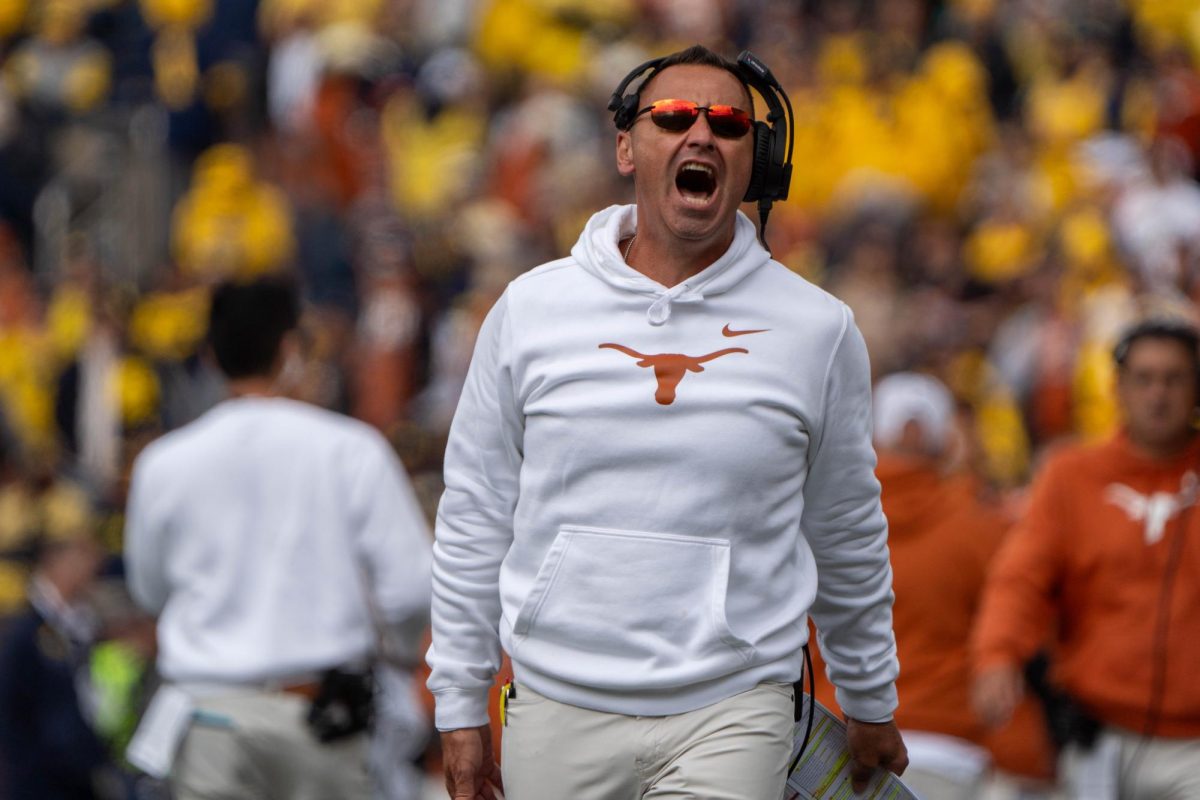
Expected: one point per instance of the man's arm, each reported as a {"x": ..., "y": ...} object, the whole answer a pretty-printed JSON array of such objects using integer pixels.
[
  {"x": 145, "y": 570},
  {"x": 873, "y": 745},
  {"x": 471, "y": 769},
  {"x": 394, "y": 547},
  {"x": 1017, "y": 612},
  {"x": 845, "y": 527},
  {"x": 474, "y": 533}
]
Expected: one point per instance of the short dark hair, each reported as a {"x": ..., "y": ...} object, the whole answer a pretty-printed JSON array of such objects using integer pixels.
[
  {"x": 247, "y": 322},
  {"x": 1172, "y": 328},
  {"x": 701, "y": 55}
]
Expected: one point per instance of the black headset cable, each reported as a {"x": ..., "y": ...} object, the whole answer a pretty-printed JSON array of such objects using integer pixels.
[{"x": 812, "y": 709}]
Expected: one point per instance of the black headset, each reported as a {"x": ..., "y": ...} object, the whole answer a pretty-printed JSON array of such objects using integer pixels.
[{"x": 771, "y": 174}]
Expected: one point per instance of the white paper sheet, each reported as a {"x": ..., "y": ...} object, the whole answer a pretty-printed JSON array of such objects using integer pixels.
[
  {"x": 824, "y": 770},
  {"x": 156, "y": 740}
]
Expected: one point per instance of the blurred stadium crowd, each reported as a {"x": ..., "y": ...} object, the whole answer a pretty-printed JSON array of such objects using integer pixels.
[{"x": 995, "y": 186}]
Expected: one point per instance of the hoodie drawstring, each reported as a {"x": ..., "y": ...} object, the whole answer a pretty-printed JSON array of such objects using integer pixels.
[{"x": 660, "y": 310}]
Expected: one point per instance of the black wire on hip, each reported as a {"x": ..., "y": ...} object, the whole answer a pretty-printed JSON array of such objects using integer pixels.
[{"x": 812, "y": 701}]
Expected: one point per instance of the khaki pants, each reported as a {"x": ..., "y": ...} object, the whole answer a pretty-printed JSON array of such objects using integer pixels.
[
  {"x": 736, "y": 749},
  {"x": 257, "y": 746},
  {"x": 1123, "y": 766}
]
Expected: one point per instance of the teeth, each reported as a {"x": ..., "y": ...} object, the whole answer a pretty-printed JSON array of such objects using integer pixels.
[{"x": 691, "y": 166}]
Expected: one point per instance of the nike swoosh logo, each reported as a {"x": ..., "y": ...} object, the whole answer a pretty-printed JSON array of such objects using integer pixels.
[{"x": 727, "y": 331}]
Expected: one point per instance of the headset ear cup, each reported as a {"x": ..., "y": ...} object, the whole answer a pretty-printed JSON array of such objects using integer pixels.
[
  {"x": 625, "y": 106},
  {"x": 626, "y": 113},
  {"x": 762, "y": 161}
]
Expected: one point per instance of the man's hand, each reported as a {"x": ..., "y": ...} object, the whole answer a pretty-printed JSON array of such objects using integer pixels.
[
  {"x": 471, "y": 771},
  {"x": 874, "y": 745},
  {"x": 996, "y": 693}
]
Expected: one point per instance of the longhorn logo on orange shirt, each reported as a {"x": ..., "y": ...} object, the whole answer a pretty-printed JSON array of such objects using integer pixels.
[{"x": 1155, "y": 510}]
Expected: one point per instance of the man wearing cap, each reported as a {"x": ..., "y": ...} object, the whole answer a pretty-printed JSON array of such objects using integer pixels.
[
  {"x": 662, "y": 442},
  {"x": 941, "y": 536},
  {"x": 1104, "y": 566}
]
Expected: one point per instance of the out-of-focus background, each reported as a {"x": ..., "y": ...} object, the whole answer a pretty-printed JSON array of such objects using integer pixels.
[{"x": 995, "y": 186}]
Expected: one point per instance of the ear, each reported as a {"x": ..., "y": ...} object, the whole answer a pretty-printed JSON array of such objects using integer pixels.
[{"x": 625, "y": 153}]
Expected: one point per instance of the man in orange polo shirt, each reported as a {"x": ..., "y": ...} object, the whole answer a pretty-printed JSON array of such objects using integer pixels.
[{"x": 1106, "y": 565}]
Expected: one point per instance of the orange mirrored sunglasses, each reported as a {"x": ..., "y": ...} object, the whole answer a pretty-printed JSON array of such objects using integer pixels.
[{"x": 678, "y": 115}]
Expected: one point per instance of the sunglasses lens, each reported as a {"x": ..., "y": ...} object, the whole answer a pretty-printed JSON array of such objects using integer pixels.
[
  {"x": 678, "y": 115},
  {"x": 728, "y": 122},
  {"x": 674, "y": 115}
]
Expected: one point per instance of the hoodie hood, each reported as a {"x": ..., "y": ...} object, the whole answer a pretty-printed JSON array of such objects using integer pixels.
[{"x": 597, "y": 252}]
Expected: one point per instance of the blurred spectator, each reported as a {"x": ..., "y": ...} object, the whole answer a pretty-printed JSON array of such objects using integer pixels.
[
  {"x": 60, "y": 70},
  {"x": 48, "y": 745},
  {"x": 295, "y": 68},
  {"x": 941, "y": 536},
  {"x": 1157, "y": 219},
  {"x": 26, "y": 360},
  {"x": 103, "y": 390},
  {"x": 433, "y": 135},
  {"x": 230, "y": 224},
  {"x": 382, "y": 290},
  {"x": 33, "y": 503},
  {"x": 165, "y": 331},
  {"x": 1098, "y": 551}
]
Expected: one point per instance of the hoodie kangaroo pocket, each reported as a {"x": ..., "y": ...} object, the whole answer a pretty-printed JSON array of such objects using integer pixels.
[{"x": 607, "y": 599}]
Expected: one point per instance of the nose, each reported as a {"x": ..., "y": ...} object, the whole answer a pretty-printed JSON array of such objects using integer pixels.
[{"x": 700, "y": 134}]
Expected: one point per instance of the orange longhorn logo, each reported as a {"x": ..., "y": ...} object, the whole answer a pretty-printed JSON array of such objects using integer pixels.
[{"x": 669, "y": 368}]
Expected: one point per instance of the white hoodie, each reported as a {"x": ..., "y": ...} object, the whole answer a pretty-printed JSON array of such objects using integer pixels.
[{"x": 643, "y": 485}]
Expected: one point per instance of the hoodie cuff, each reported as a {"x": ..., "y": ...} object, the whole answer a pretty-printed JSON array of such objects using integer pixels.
[
  {"x": 460, "y": 708},
  {"x": 877, "y": 706}
]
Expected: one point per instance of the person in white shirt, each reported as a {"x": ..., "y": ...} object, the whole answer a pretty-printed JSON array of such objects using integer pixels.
[
  {"x": 662, "y": 442},
  {"x": 276, "y": 542}
]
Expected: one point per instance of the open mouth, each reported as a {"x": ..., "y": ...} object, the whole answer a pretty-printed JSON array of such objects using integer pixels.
[{"x": 696, "y": 182}]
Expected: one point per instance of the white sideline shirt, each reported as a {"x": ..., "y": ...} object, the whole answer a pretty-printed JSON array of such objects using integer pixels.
[{"x": 249, "y": 533}]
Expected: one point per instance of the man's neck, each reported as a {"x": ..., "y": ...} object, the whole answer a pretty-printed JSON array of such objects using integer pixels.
[
  {"x": 254, "y": 386},
  {"x": 1161, "y": 451},
  {"x": 671, "y": 261}
]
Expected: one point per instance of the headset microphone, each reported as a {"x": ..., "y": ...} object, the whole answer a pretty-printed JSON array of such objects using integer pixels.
[{"x": 755, "y": 64}]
